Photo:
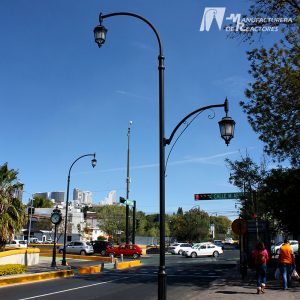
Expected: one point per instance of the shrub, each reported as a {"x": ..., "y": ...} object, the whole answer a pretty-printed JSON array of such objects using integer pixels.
[{"x": 12, "y": 269}]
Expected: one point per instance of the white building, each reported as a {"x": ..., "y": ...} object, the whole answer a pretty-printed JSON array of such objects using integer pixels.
[{"x": 110, "y": 199}]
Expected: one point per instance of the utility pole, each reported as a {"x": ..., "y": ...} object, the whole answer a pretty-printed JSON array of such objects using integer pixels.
[
  {"x": 128, "y": 183},
  {"x": 133, "y": 222}
]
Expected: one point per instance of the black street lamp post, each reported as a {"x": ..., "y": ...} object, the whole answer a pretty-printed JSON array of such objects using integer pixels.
[
  {"x": 226, "y": 127},
  {"x": 94, "y": 162}
]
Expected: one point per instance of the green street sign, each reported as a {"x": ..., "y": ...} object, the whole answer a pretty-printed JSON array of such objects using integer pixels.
[
  {"x": 218, "y": 196},
  {"x": 126, "y": 201},
  {"x": 129, "y": 202}
]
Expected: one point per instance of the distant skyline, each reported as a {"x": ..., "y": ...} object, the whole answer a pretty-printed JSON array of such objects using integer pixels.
[{"x": 62, "y": 97}]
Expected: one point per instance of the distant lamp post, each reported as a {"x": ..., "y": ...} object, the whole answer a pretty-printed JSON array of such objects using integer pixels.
[
  {"x": 94, "y": 163},
  {"x": 100, "y": 36}
]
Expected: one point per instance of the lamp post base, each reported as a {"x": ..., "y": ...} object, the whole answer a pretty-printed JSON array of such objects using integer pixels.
[{"x": 162, "y": 283}]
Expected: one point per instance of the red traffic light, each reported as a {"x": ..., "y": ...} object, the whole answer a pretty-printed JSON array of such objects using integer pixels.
[{"x": 202, "y": 196}]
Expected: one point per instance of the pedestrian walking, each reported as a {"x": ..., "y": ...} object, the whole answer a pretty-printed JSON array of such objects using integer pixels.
[
  {"x": 260, "y": 257},
  {"x": 286, "y": 263}
]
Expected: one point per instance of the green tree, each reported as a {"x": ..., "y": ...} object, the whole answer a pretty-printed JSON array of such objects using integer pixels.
[
  {"x": 12, "y": 211},
  {"x": 280, "y": 192},
  {"x": 222, "y": 224},
  {"x": 111, "y": 220},
  {"x": 40, "y": 202},
  {"x": 273, "y": 106},
  {"x": 192, "y": 226},
  {"x": 247, "y": 176}
]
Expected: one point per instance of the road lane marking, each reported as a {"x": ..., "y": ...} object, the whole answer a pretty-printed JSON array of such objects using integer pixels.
[{"x": 73, "y": 289}]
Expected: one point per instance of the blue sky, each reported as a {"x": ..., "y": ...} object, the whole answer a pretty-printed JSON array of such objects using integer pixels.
[{"x": 62, "y": 97}]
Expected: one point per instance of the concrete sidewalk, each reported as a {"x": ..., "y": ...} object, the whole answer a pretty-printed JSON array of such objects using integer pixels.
[{"x": 234, "y": 288}]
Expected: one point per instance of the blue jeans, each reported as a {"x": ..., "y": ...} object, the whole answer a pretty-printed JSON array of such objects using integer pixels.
[
  {"x": 286, "y": 272},
  {"x": 261, "y": 274}
]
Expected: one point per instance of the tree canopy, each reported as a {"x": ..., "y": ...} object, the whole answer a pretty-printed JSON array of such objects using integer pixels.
[
  {"x": 273, "y": 105},
  {"x": 12, "y": 210}
]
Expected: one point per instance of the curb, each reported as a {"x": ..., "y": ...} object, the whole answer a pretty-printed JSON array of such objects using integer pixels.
[
  {"x": 36, "y": 277},
  {"x": 127, "y": 264}
]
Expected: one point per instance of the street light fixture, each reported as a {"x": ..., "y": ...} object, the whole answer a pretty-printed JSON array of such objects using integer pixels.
[
  {"x": 93, "y": 162},
  {"x": 100, "y": 36}
]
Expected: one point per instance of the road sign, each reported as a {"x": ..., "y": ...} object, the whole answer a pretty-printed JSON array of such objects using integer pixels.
[
  {"x": 218, "y": 196},
  {"x": 129, "y": 202},
  {"x": 126, "y": 201},
  {"x": 239, "y": 226}
]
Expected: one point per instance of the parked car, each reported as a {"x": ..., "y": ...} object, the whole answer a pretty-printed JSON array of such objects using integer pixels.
[
  {"x": 126, "y": 249},
  {"x": 17, "y": 244},
  {"x": 204, "y": 249},
  {"x": 178, "y": 248},
  {"x": 101, "y": 246},
  {"x": 219, "y": 243},
  {"x": 293, "y": 243},
  {"x": 229, "y": 241},
  {"x": 78, "y": 247},
  {"x": 189, "y": 248}
]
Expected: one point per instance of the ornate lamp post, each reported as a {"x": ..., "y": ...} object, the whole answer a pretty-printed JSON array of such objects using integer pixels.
[
  {"x": 94, "y": 162},
  {"x": 225, "y": 125}
]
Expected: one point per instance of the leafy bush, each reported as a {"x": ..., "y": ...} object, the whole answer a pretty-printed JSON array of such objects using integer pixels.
[{"x": 12, "y": 269}]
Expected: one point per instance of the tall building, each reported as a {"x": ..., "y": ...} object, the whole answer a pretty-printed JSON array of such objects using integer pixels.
[
  {"x": 110, "y": 199},
  {"x": 82, "y": 197},
  {"x": 58, "y": 197},
  {"x": 87, "y": 198},
  {"x": 77, "y": 195}
]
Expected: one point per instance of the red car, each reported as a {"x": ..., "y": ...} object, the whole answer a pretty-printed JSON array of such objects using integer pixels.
[{"x": 126, "y": 249}]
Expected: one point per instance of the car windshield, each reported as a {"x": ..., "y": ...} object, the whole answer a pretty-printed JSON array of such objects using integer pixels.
[
  {"x": 88, "y": 243},
  {"x": 278, "y": 243}
]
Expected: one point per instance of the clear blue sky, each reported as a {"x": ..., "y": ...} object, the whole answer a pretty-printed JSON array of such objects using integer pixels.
[{"x": 62, "y": 97}]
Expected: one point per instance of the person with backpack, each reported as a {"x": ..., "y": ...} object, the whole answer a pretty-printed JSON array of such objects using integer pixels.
[{"x": 260, "y": 257}]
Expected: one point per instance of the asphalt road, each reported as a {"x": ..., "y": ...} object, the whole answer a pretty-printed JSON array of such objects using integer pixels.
[{"x": 186, "y": 276}]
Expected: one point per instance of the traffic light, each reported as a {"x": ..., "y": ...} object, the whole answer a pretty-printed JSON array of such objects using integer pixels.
[
  {"x": 122, "y": 200},
  {"x": 202, "y": 196}
]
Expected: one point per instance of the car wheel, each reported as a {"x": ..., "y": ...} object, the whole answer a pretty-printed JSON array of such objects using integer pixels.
[
  {"x": 135, "y": 255},
  {"x": 60, "y": 251},
  {"x": 193, "y": 254},
  {"x": 82, "y": 252},
  {"x": 215, "y": 254},
  {"x": 277, "y": 252},
  {"x": 180, "y": 252},
  {"x": 103, "y": 252}
]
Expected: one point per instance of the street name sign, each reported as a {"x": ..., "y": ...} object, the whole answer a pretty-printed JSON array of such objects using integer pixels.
[{"x": 218, "y": 196}]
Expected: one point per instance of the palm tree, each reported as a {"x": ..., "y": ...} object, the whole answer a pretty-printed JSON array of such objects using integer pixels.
[{"x": 12, "y": 210}]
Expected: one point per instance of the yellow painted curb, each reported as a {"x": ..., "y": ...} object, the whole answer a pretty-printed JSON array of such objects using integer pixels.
[
  {"x": 19, "y": 251},
  {"x": 89, "y": 270},
  {"x": 84, "y": 257},
  {"x": 127, "y": 264},
  {"x": 36, "y": 277}
]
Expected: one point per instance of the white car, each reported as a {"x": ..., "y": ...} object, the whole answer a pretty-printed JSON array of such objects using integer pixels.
[
  {"x": 178, "y": 248},
  {"x": 204, "y": 249},
  {"x": 293, "y": 243},
  {"x": 229, "y": 241},
  {"x": 17, "y": 244}
]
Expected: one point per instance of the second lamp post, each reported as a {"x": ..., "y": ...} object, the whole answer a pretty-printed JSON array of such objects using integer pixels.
[{"x": 94, "y": 162}]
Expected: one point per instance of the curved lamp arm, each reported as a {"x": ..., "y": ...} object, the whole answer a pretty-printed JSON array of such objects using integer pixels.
[
  {"x": 101, "y": 17},
  {"x": 225, "y": 105},
  {"x": 94, "y": 154}
]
